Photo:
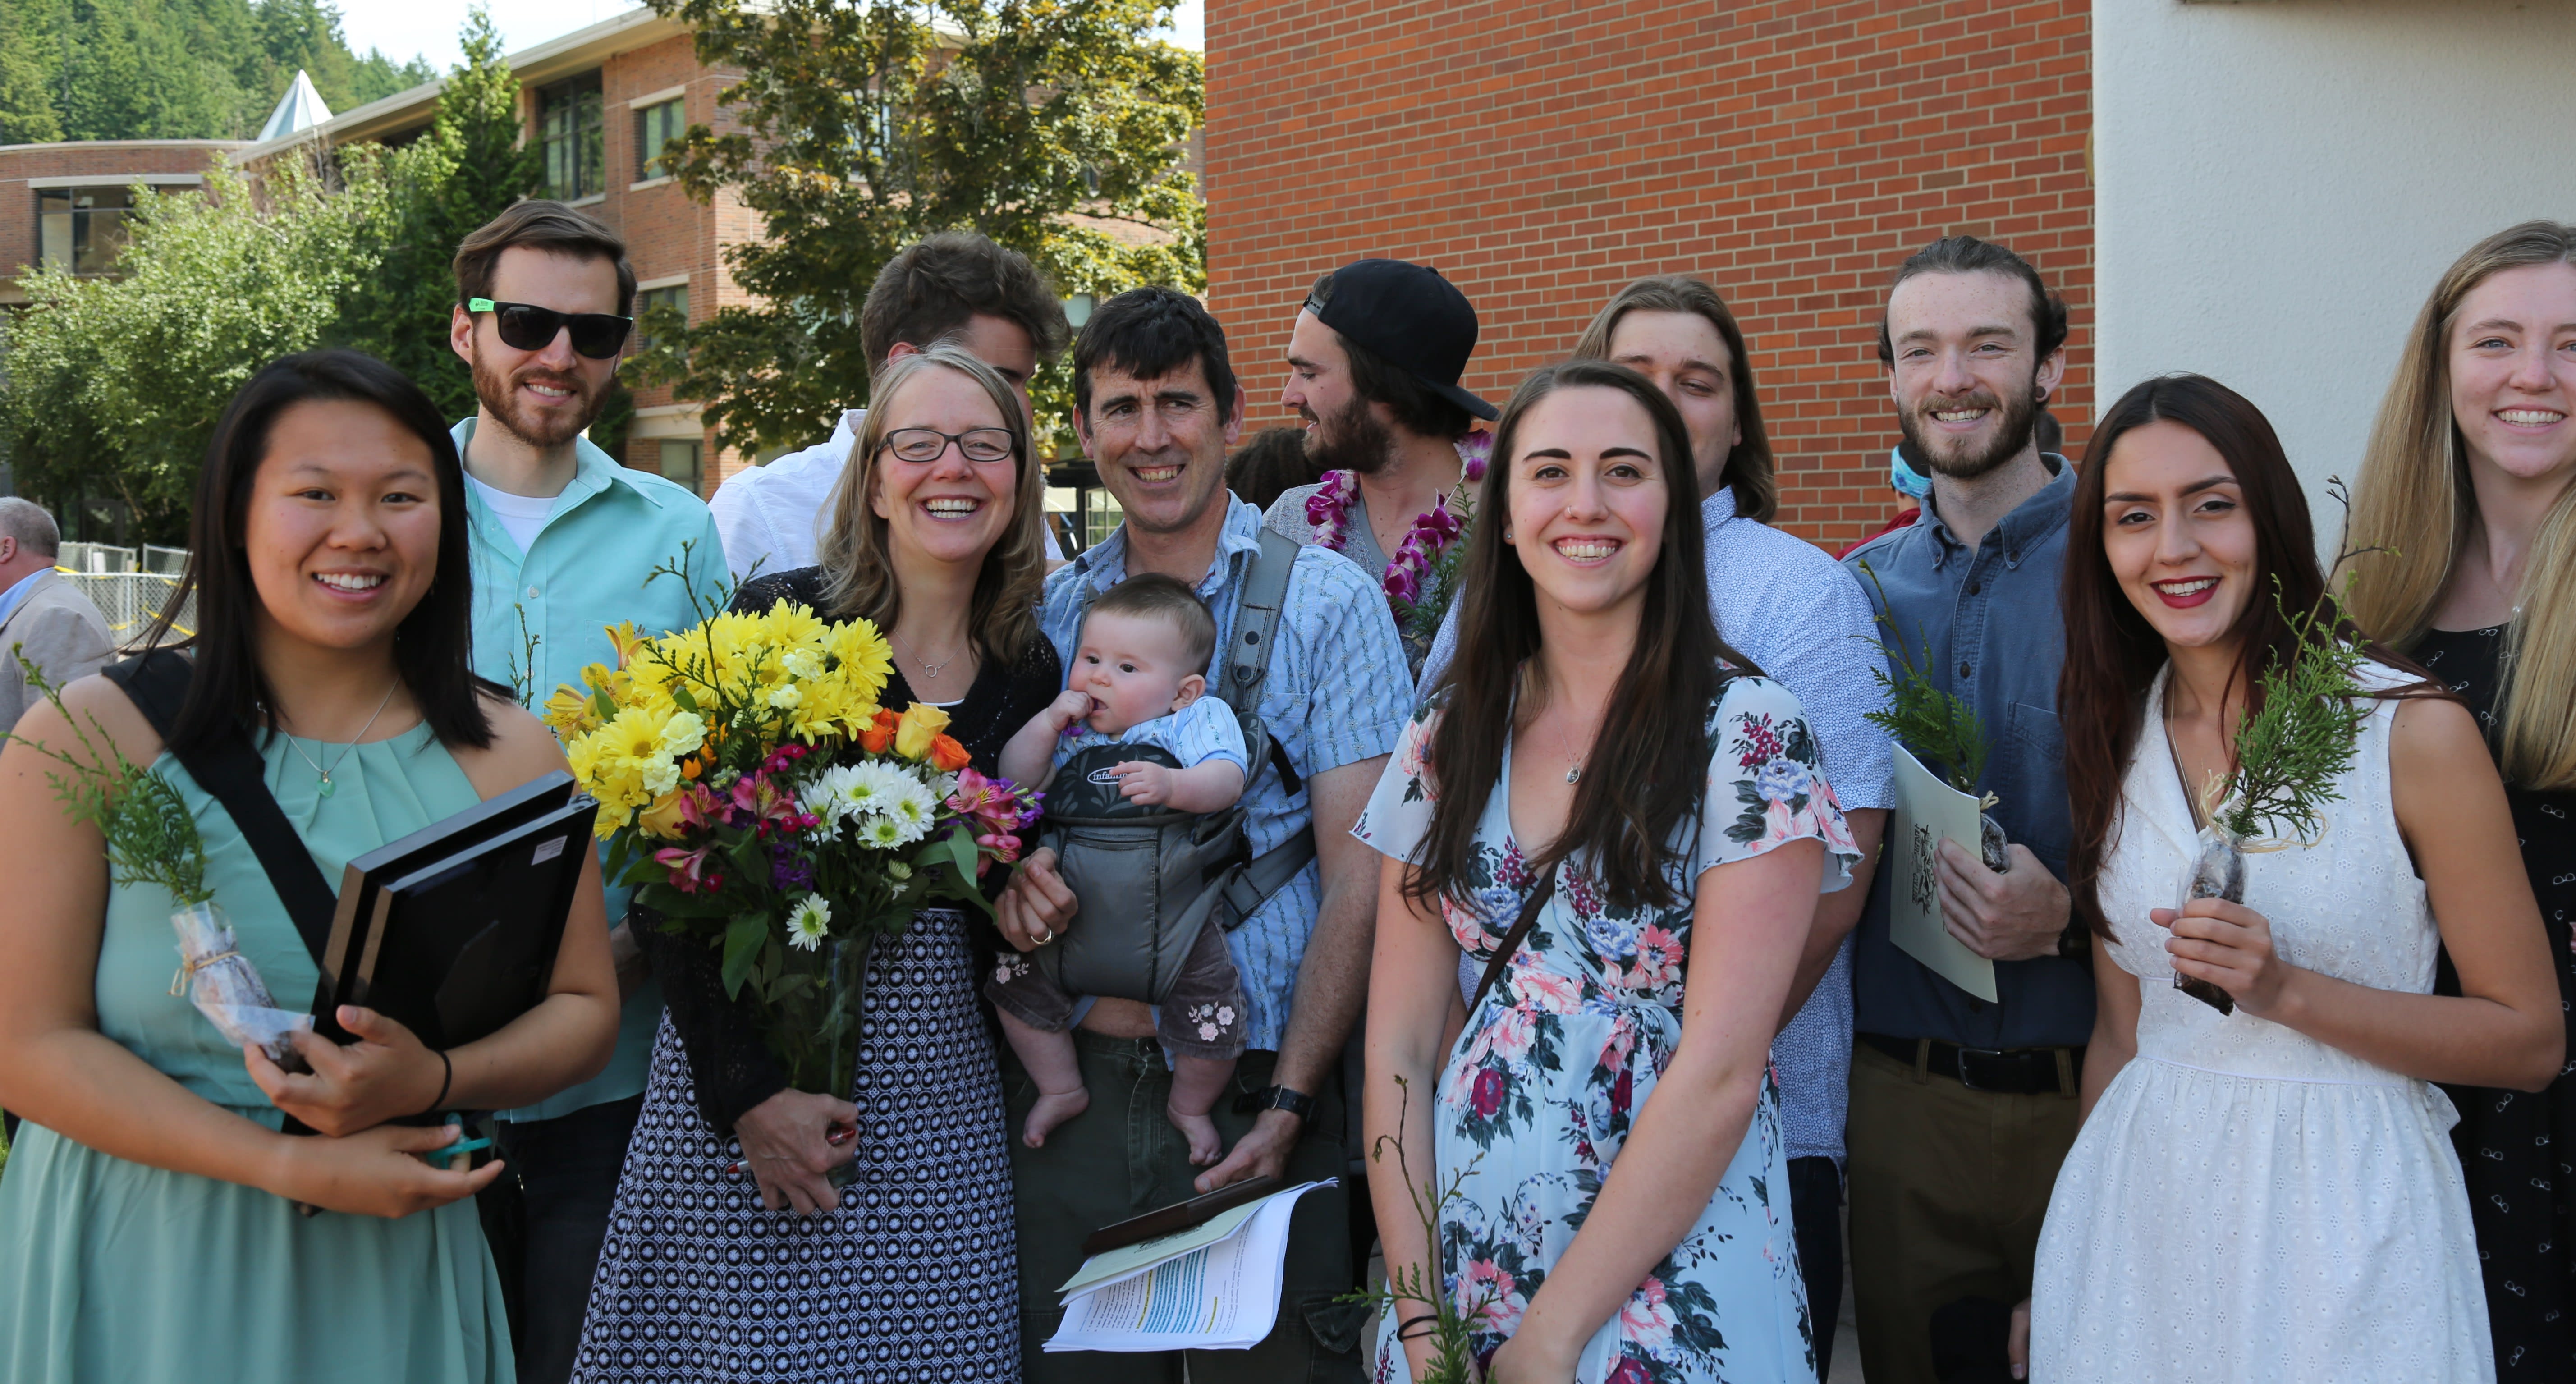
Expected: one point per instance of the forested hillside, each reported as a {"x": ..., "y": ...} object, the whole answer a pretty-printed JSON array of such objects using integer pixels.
[{"x": 174, "y": 69}]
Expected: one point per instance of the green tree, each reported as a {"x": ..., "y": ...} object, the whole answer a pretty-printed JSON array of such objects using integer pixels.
[
  {"x": 1052, "y": 126},
  {"x": 115, "y": 384},
  {"x": 440, "y": 187}
]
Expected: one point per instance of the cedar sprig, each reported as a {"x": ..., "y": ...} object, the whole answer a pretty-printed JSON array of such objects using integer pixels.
[
  {"x": 1453, "y": 1327},
  {"x": 1941, "y": 728},
  {"x": 2289, "y": 753},
  {"x": 151, "y": 836}
]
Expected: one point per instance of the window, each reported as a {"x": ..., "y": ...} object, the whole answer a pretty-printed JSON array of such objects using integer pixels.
[
  {"x": 656, "y": 125},
  {"x": 568, "y": 122},
  {"x": 680, "y": 463},
  {"x": 676, "y": 298},
  {"x": 81, "y": 228}
]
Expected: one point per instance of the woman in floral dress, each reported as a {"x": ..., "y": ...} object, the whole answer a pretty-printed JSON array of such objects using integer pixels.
[{"x": 1622, "y": 1215}]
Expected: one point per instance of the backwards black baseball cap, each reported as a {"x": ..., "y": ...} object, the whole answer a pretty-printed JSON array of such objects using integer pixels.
[{"x": 1410, "y": 317}]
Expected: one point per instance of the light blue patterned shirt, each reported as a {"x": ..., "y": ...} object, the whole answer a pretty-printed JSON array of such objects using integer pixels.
[
  {"x": 1337, "y": 694},
  {"x": 584, "y": 571},
  {"x": 1203, "y": 730},
  {"x": 1792, "y": 609}
]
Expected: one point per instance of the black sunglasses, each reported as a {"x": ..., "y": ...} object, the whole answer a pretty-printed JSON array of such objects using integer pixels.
[{"x": 527, "y": 327}]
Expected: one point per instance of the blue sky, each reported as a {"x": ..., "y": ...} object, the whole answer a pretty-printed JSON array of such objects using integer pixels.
[{"x": 402, "y": 28}]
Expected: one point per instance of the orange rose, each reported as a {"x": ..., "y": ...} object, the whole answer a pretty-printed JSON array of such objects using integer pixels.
[
  {"x": 946, "y": 755},
  {"x": 879, "y": 735}
]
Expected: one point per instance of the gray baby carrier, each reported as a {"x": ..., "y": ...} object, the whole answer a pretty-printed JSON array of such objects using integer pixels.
[{"x": 1149, "y": 878}]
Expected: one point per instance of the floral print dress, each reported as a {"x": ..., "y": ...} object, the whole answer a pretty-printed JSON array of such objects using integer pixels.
[{"x": 1552, "y": 1067}]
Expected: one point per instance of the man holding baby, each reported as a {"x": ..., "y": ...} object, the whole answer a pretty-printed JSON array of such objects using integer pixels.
[{"x": 1158, "y": 407}]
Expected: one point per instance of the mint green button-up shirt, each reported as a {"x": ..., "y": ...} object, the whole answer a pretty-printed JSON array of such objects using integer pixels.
[{"x": 543, "y": 613}]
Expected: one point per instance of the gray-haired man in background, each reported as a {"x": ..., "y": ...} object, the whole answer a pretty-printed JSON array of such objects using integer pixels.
[{"x": 41, "y": 615}]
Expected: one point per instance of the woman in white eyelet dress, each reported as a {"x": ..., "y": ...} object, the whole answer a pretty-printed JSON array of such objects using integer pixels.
[{"x": 2246, "y": 1202}]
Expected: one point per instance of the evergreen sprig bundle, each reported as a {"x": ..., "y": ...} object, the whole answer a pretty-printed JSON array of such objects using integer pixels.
[
  {"x": 2291, "y": 751},
  {"x": 151, "y": 836},
  {"x": 1939, "y": 727}
]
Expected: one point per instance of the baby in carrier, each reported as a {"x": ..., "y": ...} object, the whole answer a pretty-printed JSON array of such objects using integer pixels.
[{"x": 1138, "y": 677}]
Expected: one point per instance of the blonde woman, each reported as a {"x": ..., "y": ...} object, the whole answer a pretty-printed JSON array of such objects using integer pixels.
[
  {"x": 771, "y": 1274},
  {"x": 2465, "y": 489}
]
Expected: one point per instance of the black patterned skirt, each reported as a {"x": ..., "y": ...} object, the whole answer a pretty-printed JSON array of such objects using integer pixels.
[{"x": 913, "y": 1277}]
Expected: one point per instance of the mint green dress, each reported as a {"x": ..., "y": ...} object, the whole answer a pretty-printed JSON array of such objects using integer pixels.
[{"x": 113, "y": 1271}]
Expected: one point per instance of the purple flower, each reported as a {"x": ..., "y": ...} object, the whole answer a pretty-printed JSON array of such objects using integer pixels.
[
  {"x": 787, "y": 872},
  {"x": 1403, "y": 584},
  {"x": 1475, "y": 451},
  {"x": 1782, "y": 780}
]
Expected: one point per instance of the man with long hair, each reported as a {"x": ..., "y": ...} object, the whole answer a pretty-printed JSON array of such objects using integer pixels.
[
  {"x": 1962, "y": 1109},
  {"x": 1373, "y": 367},
  {"x": 565, "y": 542}
]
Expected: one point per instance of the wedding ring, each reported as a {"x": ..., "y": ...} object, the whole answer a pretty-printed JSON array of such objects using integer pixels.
[{"x": 1045, "y": 935}]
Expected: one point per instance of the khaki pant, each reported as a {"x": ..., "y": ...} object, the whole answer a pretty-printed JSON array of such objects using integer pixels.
[{"x": 1948, "y": 1187}]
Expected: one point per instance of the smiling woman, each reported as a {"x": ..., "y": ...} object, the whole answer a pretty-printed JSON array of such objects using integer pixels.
[
  {"x": 328, "y": 576},
  {"x": 1664, "y": 1254}
]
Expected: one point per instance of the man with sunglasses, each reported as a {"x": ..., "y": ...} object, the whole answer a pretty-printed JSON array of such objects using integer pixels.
[{"x": 565, "y": 541}]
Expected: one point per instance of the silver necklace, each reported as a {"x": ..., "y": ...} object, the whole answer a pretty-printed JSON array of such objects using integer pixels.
[
  {"x": 929, "y": 670},
  {"x": 1573, "y": 763},
  {"x": 324, "y": 786}
]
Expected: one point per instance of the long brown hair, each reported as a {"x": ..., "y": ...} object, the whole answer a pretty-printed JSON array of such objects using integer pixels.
[
  {"x": 1646, "y": 771},
  {"x": 1749, "y": 468},
  {"x": 2113, "y": 654},
  {"x": 2414, "y": 506},
  {"x": 1002, "y": 618}
]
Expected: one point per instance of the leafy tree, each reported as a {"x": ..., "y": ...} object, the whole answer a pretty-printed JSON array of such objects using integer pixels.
[
  {"x": 115, "y": 385},
  {"x": 462, "y": 173},
  {"x": 858, "y": 127}
]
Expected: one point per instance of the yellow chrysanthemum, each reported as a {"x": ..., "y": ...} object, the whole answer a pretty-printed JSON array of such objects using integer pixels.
[{"x": 862, "y": 655}]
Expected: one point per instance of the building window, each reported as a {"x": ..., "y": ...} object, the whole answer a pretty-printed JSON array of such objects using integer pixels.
[
  {"x": 680, "y": 463},
  {"x": 80, "y": 229},
  {"x": 676, "y": 298},
  {"x": 656, "y": 125},
  {"x": 568, "y": 121}
]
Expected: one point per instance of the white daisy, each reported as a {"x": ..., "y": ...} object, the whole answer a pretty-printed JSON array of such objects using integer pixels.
[
  {"x": 883, "y": 833},
  {"x": 811, "y": 922},
  {"x": 855, "y": 790}
]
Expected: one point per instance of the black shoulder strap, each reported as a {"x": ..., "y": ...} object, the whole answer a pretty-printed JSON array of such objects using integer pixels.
[
  {"x": 1531, "y": 907},
  {"x": 233, "y": 773}
]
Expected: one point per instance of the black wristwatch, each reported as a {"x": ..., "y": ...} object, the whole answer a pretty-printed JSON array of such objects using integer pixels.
[
  {"x": 1296, "y": 1103},
  {"x": 2076, "y": 942}
]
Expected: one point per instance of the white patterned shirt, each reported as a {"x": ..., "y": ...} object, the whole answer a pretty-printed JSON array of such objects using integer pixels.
[
  {"x": 1336, "y": 694},
  {"x": 1788, "y": 606}
]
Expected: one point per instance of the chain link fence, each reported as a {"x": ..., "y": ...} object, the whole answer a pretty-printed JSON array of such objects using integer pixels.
[{"x": 133, "y": 600}]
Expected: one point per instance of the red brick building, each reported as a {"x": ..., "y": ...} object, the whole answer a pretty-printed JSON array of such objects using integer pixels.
[
  {"x": 74, "y": 197},
  {"x": 1543, "y": 152}
]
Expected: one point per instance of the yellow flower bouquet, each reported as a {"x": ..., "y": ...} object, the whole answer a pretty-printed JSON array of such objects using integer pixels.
[{"x": 759, "y": 799}]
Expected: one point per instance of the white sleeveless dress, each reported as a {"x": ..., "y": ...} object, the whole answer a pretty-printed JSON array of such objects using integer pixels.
[{"x": 2245, "y": 1202}]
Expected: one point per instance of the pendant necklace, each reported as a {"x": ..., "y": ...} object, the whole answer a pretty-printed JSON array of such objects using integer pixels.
[
  {"x": 1573, "y": 764},
  {"x": 323, "y": 786},
  {"x": 929, "y": 670}
]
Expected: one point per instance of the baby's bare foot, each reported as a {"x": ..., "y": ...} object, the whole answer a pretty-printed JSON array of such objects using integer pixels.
[
  {"x": 1201, "y": 1132},
  {"x": 1050, "y": 1111}
]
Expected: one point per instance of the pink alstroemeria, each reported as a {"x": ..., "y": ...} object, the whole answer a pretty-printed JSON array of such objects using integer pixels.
[
  {"x": 690, "y": 872},
  {"x": 769, "y": 808},
  {"x": 994, "y": 803}
]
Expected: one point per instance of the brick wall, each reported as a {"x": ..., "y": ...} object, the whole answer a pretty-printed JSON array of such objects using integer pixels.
[
  {"x": 109, "y": 162},
  {"x": 1543, "y": 152}
]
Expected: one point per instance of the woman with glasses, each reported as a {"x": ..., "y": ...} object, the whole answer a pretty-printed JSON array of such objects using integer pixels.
[{"x": 772, "y": 1274}]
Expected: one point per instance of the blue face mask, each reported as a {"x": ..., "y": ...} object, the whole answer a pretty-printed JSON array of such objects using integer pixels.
[{"x": 1905, "y": 478}]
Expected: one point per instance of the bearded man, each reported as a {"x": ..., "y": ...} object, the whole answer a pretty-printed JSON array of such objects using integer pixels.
[
  {"x": 564, "y": 541},
  {"x": 1961, "y": 1109},
  {"x": 1373, "y": 367}
]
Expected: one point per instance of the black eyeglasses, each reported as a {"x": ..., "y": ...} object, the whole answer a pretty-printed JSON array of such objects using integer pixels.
[
  {"x": 527, "y": 327},
  {"x": 925, "y": 444}
]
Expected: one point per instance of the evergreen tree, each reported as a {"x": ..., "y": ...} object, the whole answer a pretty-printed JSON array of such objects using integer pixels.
[{"x": 175, "y": 69}]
